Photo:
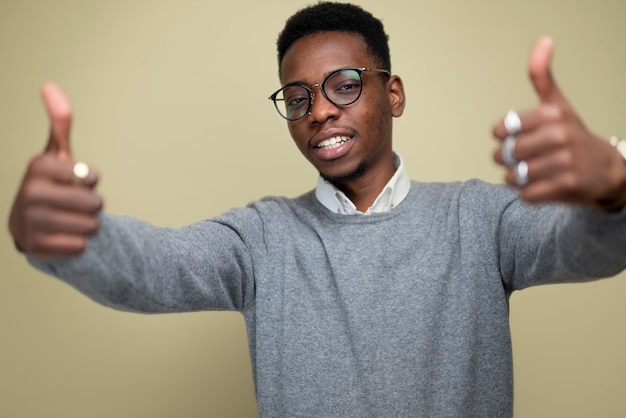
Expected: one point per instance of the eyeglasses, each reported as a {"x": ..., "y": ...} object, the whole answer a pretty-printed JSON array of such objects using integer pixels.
[{"x": 341, "y": 87}]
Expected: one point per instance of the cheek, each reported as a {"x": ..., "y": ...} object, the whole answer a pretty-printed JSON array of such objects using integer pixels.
[
  {"x": 385, "y": 113},
  {"x": 376, "y": 110},
  {"x": 378, "y": 117},
  {"x": 297, "y": 135}
]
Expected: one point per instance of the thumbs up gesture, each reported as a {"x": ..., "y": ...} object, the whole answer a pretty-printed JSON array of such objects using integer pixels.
[
  {"x": 559, "y": 159},
  {"x": 56, "y": 206}
]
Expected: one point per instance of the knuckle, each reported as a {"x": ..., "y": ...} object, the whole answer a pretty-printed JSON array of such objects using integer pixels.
[
  {"x": 570, "y": 184},
  {"x": 86, "y": 201},
  {"x": 97, "y": 203},
  {"x": 552, "y": 112},
  {"x": 33, "y": 243},
  {"x": 32, "y": 192},
  {"x": 565, "y": 136},
  {"x": 78, "y": 246},
  {"x": 497, "y": 155},
  {"x": 93, "y": 226},
  {"x": 35, "y": 165},
  {"x": 560, "y": 135},
  {"x": 566, "y": 160},
  {"x": 46, "y": 166},
  {"x": 32, "y": 222},
  {"x": 530, "y": 197}
]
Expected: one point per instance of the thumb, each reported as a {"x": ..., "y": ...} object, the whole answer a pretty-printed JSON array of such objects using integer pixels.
[
  {"x": 60, "y": 115},
  {"x": 540, "y": 72}
]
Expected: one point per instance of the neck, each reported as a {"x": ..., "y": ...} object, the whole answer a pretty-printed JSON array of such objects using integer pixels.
[{"x": 364, "y": 190}]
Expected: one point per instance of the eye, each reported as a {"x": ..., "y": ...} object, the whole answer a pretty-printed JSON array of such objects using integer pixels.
[
  {"x": 347, "y": 86},
  {"x": 296, "y": 101},
  {"x": 295, "y": 97},
  {"x": 345, "y": 82}
]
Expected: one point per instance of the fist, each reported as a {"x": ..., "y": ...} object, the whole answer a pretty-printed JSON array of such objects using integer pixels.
[
  {"x": 55, "y": 208},
  {"x": 564, "y": 161}
]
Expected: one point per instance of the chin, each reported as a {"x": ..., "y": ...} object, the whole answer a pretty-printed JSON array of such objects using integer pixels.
[{"x": 347, "y": 177}]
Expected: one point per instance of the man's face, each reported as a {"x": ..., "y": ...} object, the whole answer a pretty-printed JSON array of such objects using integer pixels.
[{"x": 351, "y": 142}]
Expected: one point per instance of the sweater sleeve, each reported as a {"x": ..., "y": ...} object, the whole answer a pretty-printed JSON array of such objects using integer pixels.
[
  {"x": 132, "y": 265},
  {"x": 558, "y": 244}
]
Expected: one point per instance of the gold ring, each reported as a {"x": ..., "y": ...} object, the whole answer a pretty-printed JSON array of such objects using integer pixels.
[{"x": 80, "y": 171}]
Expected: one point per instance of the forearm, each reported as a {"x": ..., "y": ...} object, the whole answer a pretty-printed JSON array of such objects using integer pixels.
[
  {"x": 131, "y": 265},
  {"x": 564, "y": 244}
]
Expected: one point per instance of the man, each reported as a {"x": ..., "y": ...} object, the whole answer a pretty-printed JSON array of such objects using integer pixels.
[{"x": 372, "y": 295}]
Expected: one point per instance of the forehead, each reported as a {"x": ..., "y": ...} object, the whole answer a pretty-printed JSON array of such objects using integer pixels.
[{"x": 313, "y": 57}]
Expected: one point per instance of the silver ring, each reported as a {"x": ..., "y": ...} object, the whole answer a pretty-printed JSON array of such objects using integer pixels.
[
  {"x": 508, "y": 151},
  {"x": 80, "y": 172},
  {"x": 512, "y": 122},
  {"x": 521, "y": 173}
]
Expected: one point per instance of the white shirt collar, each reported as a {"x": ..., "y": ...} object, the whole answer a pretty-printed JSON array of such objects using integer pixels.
[{"x": 392, "y": 194}]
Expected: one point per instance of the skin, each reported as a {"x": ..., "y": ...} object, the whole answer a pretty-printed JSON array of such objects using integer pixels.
[
  {"x": 566, "y": 162},
  {"x": 52, "y": 216},
  {"x": 368, "y": 121}
]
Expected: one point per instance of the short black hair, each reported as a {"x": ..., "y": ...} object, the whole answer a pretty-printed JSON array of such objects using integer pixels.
[{"x": 337, "y": 17}]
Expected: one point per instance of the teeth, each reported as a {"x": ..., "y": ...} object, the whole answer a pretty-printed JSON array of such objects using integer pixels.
[{"x": 333, "y": 142}]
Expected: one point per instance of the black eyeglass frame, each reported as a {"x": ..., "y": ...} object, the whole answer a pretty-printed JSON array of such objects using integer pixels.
[{"x": 358, "y": 70}]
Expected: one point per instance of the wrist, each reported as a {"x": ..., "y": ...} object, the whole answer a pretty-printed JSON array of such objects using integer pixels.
[{"x": 618, "y": 201}]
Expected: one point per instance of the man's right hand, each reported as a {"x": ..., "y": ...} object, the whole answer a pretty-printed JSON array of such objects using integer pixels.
[{"x": 52, "y": 214}]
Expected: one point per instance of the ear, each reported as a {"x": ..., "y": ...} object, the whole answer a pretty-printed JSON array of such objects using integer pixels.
[{"x": 395, "y": 89}]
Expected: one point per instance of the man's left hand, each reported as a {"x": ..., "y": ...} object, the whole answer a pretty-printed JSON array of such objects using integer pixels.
[{"x": 565, "y": 161}]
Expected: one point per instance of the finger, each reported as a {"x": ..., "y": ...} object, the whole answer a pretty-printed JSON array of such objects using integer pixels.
[
  {"x": 554, "y": 189},
  {"x": 46, "y": 246},
  {"x": 45, "y": 219},
  {"x": 72, "y": 199},
  {"x": 550, "y": 179},
  {"x": 542, "y": 143},
  {"x": 540, "y": 71},
  {"x": 60, "y": 171},
  {"x": 60, "y": 115},
  {"x": 545, "y": 166},
  {"x": 531, "y": 120}
]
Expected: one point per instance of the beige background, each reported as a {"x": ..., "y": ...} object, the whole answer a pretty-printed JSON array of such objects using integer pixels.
[{"x": 170, "y": 106}]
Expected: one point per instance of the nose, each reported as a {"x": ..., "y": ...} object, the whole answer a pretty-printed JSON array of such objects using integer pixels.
[{"x": 322, "y": 109}]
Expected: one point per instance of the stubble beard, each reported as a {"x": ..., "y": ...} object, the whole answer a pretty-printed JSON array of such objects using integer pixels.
[{"x": 351, "y": 176}]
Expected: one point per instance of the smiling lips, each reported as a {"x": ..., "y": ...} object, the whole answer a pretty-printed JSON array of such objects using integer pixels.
[
  {"x": 333, "y": 147},
  {"x": 333, "y": 142}
]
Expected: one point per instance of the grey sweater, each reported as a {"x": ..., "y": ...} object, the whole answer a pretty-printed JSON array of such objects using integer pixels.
[{"x": 400, "y": 314}]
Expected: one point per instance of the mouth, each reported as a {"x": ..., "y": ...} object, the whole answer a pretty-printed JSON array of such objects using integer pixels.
[
  {"x": 330, "y": 144},
  {"x": 334, "y": 142},
  {"x": 333, "y": 147}
]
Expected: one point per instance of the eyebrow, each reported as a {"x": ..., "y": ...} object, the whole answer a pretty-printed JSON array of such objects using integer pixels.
[{"x": 292, "y": 83}]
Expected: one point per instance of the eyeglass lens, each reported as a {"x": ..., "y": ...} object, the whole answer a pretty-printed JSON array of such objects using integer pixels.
[{"x": 341, "y": 88}]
